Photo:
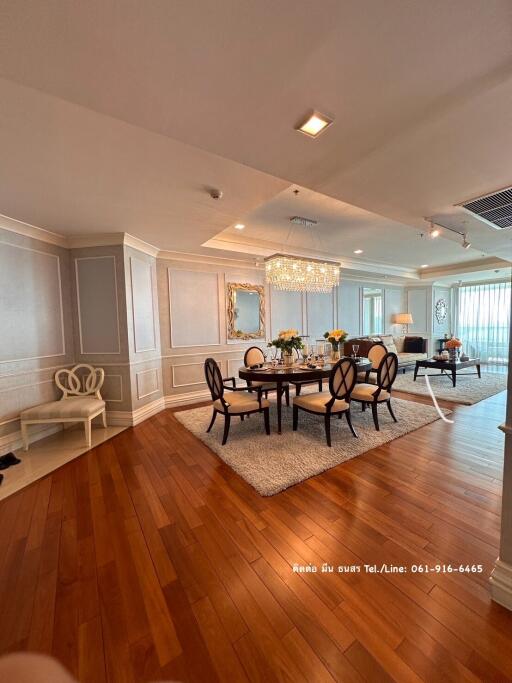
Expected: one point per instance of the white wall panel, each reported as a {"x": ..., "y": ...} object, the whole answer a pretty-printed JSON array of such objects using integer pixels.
[
  {"x": 320, "y": 313},
  {"x": 142, "y": 305},
  {"x": 418, "y": 306},
  {"x": 393, "y": 303},
  {"x": 349, "y": 308},
  {"x": 31, "y": 310},
  {"x": 194, "y": 308},
  {"x": 97, "y": 305},
  {"x": 147, "y": 382},
  {"x": 286, "y": 311}
]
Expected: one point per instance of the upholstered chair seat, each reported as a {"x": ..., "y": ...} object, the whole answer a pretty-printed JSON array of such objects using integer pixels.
[
  {"x": 71, "y": 407},
  {"x": 365, "y": 392},
  {"x": 241, "y": 402},
  {"x": 317, "y": 403}
]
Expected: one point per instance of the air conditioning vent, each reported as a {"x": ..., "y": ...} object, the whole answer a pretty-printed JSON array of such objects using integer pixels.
[{"x": 495, "y": 209}]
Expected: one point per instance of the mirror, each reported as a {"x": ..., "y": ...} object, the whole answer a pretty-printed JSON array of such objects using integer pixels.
[
  {"x": 372, "y": 311},
  {"x": 246, "y": 311}
]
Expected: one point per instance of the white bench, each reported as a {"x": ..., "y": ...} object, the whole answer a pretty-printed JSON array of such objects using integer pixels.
[{"x": 80, "y": 402}]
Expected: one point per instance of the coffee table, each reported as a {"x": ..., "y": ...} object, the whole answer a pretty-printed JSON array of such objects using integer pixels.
[{"x": 448, "y": 366}]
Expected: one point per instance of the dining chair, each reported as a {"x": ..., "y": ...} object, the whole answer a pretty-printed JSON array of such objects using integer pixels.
[
  {"x": 254, "y": 356},
  {"x": 298, "y": 384},
  {"x": 375, "y": 354},
  {"x": 342, "y": 379},
  {"x": 371, "y": 394},
  {"x": 240, "y": 402}
]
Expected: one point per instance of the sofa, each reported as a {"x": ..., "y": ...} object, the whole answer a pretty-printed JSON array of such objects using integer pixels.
[{"x": 409, "y": 349}]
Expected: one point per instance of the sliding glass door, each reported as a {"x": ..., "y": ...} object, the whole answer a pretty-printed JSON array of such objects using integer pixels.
[{"x": 484, "y": 320}]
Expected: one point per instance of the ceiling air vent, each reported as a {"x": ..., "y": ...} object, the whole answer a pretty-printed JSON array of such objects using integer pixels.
[{"x": 495, "y": 209}]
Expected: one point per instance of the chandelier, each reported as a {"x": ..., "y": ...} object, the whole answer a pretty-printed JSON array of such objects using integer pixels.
[{"x": 293, "y": 273}]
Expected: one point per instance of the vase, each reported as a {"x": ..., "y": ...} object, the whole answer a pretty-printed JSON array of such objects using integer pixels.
[
  {"x": 335, "y": 355},
  {"x": 453, "y": 355},
  {"x": 288, "y": 357}
]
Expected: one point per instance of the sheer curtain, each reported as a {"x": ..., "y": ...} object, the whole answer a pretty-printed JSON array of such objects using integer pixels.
[{"x": 483, "y": 315}]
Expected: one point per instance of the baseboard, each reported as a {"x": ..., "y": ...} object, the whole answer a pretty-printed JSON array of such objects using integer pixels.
[
  {"x": 501, "y": 583},
  {"x": 127, "y": 418},
  {"x": 13, "y": 441},
  {"x": 173, "y": 401}
]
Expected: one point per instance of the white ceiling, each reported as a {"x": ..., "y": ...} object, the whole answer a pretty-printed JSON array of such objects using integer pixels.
[
  {"x": 421, "y": 94},
  {"x": 341, "y": 228}
]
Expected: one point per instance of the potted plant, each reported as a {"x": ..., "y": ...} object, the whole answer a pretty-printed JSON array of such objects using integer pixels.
[
  {"x": 335, "y": 338},
  {"x": 453, "y": 345},
  {"x": 287, "y": 341}
]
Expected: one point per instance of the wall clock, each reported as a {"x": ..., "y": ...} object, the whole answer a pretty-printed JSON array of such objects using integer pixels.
[{"x": 441, "y": 310}]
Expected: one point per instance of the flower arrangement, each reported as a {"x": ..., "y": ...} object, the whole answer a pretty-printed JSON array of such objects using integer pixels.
[
  {"x": 287, "y": 340},
  {"x": 453, "y": 343},
  {"x": 335, "y": 338}
]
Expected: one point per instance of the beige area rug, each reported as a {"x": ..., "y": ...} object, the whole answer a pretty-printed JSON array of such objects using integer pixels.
[
  {"x": 468, "y": 388},
  {"x": 273, "y": 463}
]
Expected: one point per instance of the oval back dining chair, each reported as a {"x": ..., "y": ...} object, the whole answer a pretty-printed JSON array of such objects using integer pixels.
[
  {"x": 240, "y": 402},
  {"x": 254, "y": 357},
  {"x": 375, "y": 354},
  {"x": 341, "y": 384},
  {"x": 371, "y": 394}
]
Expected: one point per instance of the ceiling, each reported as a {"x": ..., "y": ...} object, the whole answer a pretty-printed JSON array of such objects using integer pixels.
[
  {"x": 340, "y": 230},
  {"x": 175, "y": 97}
]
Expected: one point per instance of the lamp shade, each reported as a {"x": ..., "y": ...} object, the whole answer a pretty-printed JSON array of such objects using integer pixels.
[{"x": 403, "y": 319}]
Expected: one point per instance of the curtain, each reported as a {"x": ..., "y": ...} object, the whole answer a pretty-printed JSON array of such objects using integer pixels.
[{"x": 483, "y": 321}]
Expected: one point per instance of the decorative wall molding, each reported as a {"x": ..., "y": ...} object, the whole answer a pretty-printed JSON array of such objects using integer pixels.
[
  {"x": 131, "y": 418},
  {"x": 32, "y": 231},
  {"x": 171, "y": 322},
  {"x": 116, "y": 400},
  {"x": 138, "y": 383},
  {"x": 175, "y": 384},
  {"x": 96, "y": 353},
  {"x": 61, "y": 304},
  {"x": 173, "y": 401},
  {"x": 13, "y": 441},
  {"x": 133, "y": 299}
]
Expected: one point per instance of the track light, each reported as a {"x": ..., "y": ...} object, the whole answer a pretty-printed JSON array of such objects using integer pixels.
[{"x": 465, "y": 243}]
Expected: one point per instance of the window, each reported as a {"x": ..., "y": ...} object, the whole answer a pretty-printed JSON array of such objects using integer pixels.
[
  {"x": 484, "y": 321},
  {"x": 372, "y": 310}
]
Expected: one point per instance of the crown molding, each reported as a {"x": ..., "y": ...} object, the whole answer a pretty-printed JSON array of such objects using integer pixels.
[
  {"x": 32, "y": 231},
  {"x": 140, "y": 245},
  {"x": 188, "y": 257},
  {"x": 466, "y": 267}
]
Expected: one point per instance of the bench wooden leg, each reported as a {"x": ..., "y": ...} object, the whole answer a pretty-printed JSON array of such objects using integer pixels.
[
  {"x": 24, "y": 435},
  {"x": 87, "y": 425},
  {"x": 104, "y": 418}
]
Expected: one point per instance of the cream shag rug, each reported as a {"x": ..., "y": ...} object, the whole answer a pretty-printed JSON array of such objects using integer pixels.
[
  {"x": 468, "y": 388},
  {"x": 273, "y": 463}
]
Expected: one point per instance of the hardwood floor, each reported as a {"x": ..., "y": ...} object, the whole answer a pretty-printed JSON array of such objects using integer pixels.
[{"x": 148, "y": 558}]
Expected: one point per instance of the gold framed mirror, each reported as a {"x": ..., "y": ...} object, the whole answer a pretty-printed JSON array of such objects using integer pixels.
[{"x": 246, "y": 311}]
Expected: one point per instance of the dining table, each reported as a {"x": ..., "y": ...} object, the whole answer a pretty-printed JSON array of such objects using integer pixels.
[{"x": 298, "y": 372}]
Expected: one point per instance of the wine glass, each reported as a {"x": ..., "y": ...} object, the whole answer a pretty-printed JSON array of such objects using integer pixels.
[
  {"x": 355, "y": 350},
  {"x": 305, "y": 353}
]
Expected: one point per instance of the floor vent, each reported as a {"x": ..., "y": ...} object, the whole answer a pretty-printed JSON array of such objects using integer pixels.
[{"x": 495, "y": 209}]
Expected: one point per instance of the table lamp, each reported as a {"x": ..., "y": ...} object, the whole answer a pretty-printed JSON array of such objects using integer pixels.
[{"x": 404, "y": 319}]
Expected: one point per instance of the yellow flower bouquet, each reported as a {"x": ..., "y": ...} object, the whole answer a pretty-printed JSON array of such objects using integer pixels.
[{"x": 335, "y": 338}]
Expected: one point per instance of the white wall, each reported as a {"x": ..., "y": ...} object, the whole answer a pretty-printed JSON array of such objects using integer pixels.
[{"x": 350, "y": 305}]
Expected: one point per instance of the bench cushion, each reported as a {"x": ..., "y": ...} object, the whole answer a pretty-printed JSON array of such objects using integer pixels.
[{"x": 79, "y": 407}]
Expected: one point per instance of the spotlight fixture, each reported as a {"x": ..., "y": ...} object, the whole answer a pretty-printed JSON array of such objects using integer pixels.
[
  {"x": 239, "y": 226},
  {"x": 424, "y": 265},
  {"x": 358, "y": 251},
  {"x": 315, "y": 124},
  {"x": 465, "y": 243}
]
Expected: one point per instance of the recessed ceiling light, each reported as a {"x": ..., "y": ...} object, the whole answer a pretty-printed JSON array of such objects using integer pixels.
[
  {"x": 315, "y": 124},
  {"x": 358, "y": 251},
  {"x": 435, "y": 233},
  {"x": 425, "y": 265},
  {"x": 239, "y": 226}
]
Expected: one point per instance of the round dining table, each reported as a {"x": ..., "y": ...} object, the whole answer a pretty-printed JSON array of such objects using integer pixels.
[{"x": 281, "y": 374}]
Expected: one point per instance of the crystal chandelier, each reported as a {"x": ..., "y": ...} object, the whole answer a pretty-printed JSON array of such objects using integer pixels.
[{"x": 293, "y": 273}]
